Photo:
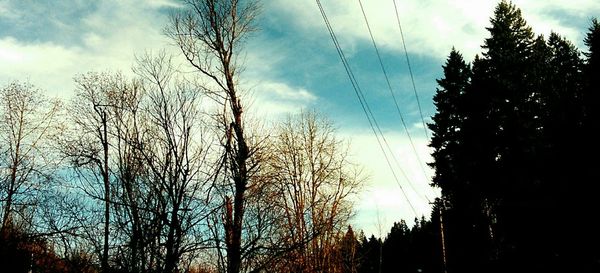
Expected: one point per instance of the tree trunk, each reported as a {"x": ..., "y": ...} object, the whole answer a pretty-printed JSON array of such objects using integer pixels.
[
  {"x": 240, "y": 177},
  {"x": 106, "y": 196}
]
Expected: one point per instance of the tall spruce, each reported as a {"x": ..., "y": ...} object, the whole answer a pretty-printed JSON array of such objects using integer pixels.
[
  {"x": 592, "y": 82},
  {"x": 587, "y": 239},
  {"x": 453, "y": 148},
  {"x": 506, "y": 64},
  {"x": 447, "y": 122},
  {"x": 505, "y": 76}
]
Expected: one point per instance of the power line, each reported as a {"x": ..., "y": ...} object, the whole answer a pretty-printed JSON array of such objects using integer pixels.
[
  {"x": 364, "y": 105},
  {"x": 410, "y": 72},
  {"x": 394, "y": 99},
  {"x": 412, "y": 78}
]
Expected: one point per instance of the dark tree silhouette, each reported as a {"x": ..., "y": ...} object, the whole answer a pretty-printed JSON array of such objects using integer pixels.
[
  {"x": 509, "y": 140},
  {"x": 370, "y": 255}
]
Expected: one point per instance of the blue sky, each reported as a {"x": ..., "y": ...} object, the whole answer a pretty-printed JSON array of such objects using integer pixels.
[{"x": 291, "y": 64}]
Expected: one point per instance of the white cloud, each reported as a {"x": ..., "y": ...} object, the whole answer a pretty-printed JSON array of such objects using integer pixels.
[
  {"x": 6, "y": 12},
  {"x": 163, "y": 3},
  {"x": 111, "y": 36},
  {"x": 116, "y": 30},
  {"x": 285, "y": 92},
  {"x": 43, "y": 64},
  {"x": 430, "y": 27},
  {"x": 272, "y": 100}
]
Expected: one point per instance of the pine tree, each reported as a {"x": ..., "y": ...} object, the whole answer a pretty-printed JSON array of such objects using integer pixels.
[
  {"x": 497, "y": 144},
  {"x": 506, "y": 64},
  {"x": 592, "y": 78},
  {"x": 396, "y": 249},
  {"x": 505, "y": 79},
  {"x": 370, "y": 252},
  {"x": 447, "y": 122},
  {"x": 456, "y": 153},
  {"x": 587, "y": 236},
  {"x": 514, "y": 144},
  {"x": 349, "y": 252}
]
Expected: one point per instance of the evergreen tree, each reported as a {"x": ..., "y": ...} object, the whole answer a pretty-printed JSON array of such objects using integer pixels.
[
  {"x": 592, "y": 41},
  {"x": 507, "y": 65},
  {"x": 370, "y": 251},
  {"x": 586, "y": 238},
  {"x": 514, "y": 147},
  {"x": 504, "y": 93},
  {"x": 396, "y": 249},
  {"x": 492, "y": 179},
  {"x": 425, "y": 246},
  {"x": 349, "y": 252},
  {"x": 458, "y": 110},
  {"x": 447, "y": 122},
  {"x": 591, "y": 94}
]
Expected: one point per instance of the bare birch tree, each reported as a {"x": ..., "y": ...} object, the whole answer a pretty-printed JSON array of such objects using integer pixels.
[{"x": 210, "y": 34}]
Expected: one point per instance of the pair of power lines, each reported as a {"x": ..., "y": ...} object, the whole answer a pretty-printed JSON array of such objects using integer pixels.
[{"x": 376, "y": 129}]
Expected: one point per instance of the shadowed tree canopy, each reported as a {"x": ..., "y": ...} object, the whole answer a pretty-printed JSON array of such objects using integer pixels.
[{"x": 508, "y": 151}]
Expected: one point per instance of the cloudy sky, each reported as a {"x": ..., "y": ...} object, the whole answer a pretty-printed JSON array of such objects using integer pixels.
[{"x": 291, "y": 64}]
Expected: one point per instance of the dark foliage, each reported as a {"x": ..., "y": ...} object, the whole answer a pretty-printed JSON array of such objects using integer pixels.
[
  {"x": 404, "y": 249},
  {"x": 23, "y": 253},
  {"x": 514, "y": 152}
]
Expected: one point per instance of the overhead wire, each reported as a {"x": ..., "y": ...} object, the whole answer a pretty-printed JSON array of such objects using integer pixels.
[
  {"x": 364, "y": 105},
  {"x": 410, "y": 71},
  {"x": 385, "y": 74},
  {"x": 412, "y": 79}
]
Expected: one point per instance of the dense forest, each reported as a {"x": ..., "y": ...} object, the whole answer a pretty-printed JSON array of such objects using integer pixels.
[
  {"x": 164, "y": 172},
  {"x": 514, "y": 151}
]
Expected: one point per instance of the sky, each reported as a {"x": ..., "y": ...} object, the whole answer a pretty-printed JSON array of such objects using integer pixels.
[{"x": 291, "y": 64}]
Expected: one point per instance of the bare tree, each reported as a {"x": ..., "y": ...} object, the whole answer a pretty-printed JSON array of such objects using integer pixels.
[
  {"x": 98, "y": 97},
  {"x": 138, "y": 147},
  {"x": 27, "y": 120},
  {"x": 209, "y": 34},
  {"x": 174, "y": 148},
  {"x": 130, "y": 197},
  {"x": 314, "y": 182}
]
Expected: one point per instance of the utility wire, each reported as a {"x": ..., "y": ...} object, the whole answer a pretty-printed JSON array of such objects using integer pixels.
[
  {"x": 364, "y": 105},
  {"x": 410, "y": 72},
  {"x": 412, "y": 78},
  {"x": 395, "y": 100}
]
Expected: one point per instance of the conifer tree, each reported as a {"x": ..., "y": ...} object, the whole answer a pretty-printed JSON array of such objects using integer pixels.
[
  {"x": 447, "y": 122},
  {"x": 514, "y": 145},
  {"x": 587, "y": 237},
  {"x": 455, "y": 150},
  {"x": 592, "y": 77}
]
